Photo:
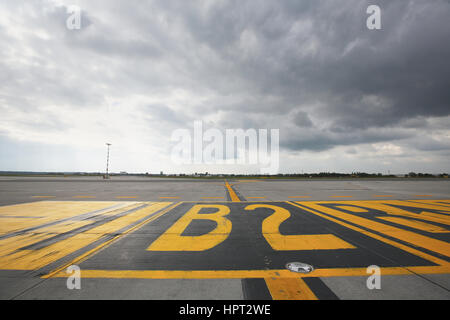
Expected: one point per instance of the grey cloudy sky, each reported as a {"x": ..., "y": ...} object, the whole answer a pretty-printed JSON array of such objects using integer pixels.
[{"x": 344, "y": 97}]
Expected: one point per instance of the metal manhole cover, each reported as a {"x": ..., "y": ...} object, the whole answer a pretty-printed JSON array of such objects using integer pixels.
[{"x": 299, "y": 267}]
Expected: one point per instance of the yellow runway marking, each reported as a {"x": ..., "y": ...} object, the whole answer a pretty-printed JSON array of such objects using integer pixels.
[
  {"x": 428, "y": 204},
  {"x": 431, "y": 204},
  {"x": 245, "y": 274},
  {"x": 415, "y": 239},
  {"x": 43, "y": 212},
  {"x": 233, "y": 195},
  {"x": 289, "y": 289},
  {"x": 171, "y": 239},
  {"x": 299, "y": 196},
  {"x": 91, "y": 252},
  {"x": 14, "y": 254},
  {"x": 424, "y": 215},
  {"x": 353, "y": 209},
  {"x": 377, "y": 237},
  {"x": 279, "y": 242},
  {"x": 62, "y": 227},
  {"x": 31, "y": 259},
  {"x": 43, "y": 197},
  {"x": 416, "y": 224}
]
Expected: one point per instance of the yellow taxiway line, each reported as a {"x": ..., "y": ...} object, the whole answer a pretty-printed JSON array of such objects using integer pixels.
[
  {"x": 244, "y": 274},
  {"x": 233, "y": 195}
]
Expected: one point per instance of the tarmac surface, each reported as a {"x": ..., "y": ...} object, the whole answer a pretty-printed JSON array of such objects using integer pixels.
[{"x": 150, "y": 238}]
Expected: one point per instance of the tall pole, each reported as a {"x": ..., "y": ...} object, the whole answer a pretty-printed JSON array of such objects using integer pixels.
[{"x": 107, "y": 161}]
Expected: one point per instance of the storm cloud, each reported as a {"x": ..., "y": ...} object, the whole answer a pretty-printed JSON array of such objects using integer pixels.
[{"x": 372, "y": 100}]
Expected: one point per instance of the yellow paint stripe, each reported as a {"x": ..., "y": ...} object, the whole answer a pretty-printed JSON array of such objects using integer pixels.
[
  {"x": 439, "y": 204},
  {"x": 38, "y": 197},
  {"x": 289, "y": 289},
  {"x": 424, "y": 215},
  {"x": 31, "y": 259},
  {"x": 377, "y": 237},
  {"x": 233, "y": 195},
  {"x": 352, "y": 209},
  {"x": 386, "y": 206},
  {"x": 34, "y": 259},
  {"x": 43, "y": 212},
  {"x": 435, "y": 217},
  {"x": 415, "y": 239},
  {"x": 63, "y": 227},
  {"x": 425, "y": 204},
  {"x": 91, "y": 252},
  {"x": 419, "y": 225},
  {"x": 244, "y": 274},
  {"x": 9, "y": 245}
]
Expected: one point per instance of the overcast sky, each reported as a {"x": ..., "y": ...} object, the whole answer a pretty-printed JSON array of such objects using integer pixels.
[{"x": 344, "y": 97}]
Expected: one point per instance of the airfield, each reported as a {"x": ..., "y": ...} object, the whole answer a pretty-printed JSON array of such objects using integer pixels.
[{"x": 162, "y": 238}]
